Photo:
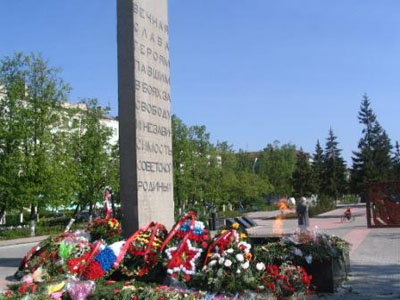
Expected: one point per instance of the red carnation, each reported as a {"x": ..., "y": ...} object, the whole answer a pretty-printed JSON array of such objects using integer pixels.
[{"x": 93, "y": 271}]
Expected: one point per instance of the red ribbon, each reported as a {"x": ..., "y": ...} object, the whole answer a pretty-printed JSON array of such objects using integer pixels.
[
  {"x": 28, "y": 256},
  {"x": 128, "y": 242},
  {"x": 190, "y": 215},
  {"x": 222, "y": 237},
  {"x": 91, "y": 257}
]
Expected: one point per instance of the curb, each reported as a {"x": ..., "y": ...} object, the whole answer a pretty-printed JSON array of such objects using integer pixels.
[{"x": 22, "y": 241}]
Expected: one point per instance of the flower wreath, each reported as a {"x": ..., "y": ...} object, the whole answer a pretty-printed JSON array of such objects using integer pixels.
[
  {"x": 107, "y": 229},
  {"x": 225, "y": 239},
  {"x": 144, "y": 250},
  {"x": 185, "y": 242}
]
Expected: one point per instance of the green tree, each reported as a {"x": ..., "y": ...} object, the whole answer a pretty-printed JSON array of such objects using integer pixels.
[
  {"x": 181, "y": 160},
  {"x": 91, "y": 152},
  {"x": 250, "y": 189},
  {"x": 372, "y": 162},
  {"x": 277, "y": 164},
  {"x": 12, "y": 90},
  {"x": 34, "y": 92},
  {"x": 228, "y": 181},
  {"x": 318, "y": 167},
  {"x": 334, "y": 177},
  {"x": 303, "y": 177}
]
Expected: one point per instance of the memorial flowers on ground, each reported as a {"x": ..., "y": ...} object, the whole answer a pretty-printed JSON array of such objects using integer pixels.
[
  {"x": 87, "y": 265},
  {"x": 143, "y": 255},
  {"x": 286, "y": 281},
  {"x": 228, "y": 264},
  {"x": 185, "y": 246},
  {"x": 108, "y": 229}
]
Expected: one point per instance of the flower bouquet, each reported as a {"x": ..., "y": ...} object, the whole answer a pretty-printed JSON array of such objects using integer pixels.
[
  {"x": 227, "y": 267},
  {"x": 101, "y": 261},
  {"x": 51, "y": 253},
  {"x": 286, "y": 281},
  {"x": 302, "y": 248},
  {"x": 143, "y": 250},
  {"x": 155, "y": 292},
  {"x": 184, "y": 247},
  {"x": 107, "y": 229}
]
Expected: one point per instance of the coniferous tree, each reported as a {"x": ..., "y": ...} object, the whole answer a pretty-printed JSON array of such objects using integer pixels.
[
  {"x": 396, "y": 162},
  {"x": 372, "y": 162},
  {"x": 334, "y": 177},
  {"x": 303, "y": 178},
  {"x": 318, "y": 167}
]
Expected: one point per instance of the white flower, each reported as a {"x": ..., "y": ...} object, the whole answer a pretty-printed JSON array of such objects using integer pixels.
[
  {"x": 221, "y": 260},
  {"x": 238, "y": 271},
  {"x": 240, "y": 257},
  {"x": 246, "y": 265},
  {"x": 212, "y": 263},
  {"x": 308, "y": 259},
  {"x": 215, "y": 256},
  {"x": 260, "y": 266},
  {"x": 245, "y": 247},
  {"x": 297, "y": 252},
  {"x": 230, "y": 251},
  {"x": 260, "y": 287},
  {"x": 228, "y": 263}
]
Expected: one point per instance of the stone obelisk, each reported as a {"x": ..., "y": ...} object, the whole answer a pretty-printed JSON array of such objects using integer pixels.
[{"x": 144, "y": 113}]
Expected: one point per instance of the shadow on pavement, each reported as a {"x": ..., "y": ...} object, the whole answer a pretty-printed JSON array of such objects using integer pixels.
[
  {"x": 386, "y": 236},
  {"x": 10, "y": 262},
  {"x": 376, "y": 280}
]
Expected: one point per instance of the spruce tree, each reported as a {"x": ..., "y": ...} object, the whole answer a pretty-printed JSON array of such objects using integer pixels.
[
  {"x": 334, "y": 177},
  {"x": 303, "y": 179},
  {"x": 318, "y": 167},
  {"x": 372, "y": 162},
  {"x": 396, "y": 162}
]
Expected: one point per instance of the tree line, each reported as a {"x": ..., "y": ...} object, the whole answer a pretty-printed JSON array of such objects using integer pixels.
[
  {"x": 215, "y": 173},
  {"x": 53, "y": 156},
  {"x": 50, "y": 155}
]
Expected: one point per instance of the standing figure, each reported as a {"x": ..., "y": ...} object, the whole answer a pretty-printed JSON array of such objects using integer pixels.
[
  {"x": 302, "y": 213},
  {"x": 107, "y": 195}
]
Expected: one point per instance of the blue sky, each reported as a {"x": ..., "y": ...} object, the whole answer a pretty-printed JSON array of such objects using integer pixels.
[{"x": 251, "y": 71}]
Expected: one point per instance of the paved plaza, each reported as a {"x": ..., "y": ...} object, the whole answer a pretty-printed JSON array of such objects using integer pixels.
[{"x": 375, "y": 255}]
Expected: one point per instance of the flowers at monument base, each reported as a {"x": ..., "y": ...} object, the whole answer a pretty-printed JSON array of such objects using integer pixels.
[
  {"x": 183, "y": 259},
  {"x": 80, "y": 290},
  {"x": 302, "y": 248},
  {"x": 143, "y": 254},
  {"x": 184, "y": 247},
  {"x": 286, "y": 281},
  {"x": 136, "y": 292},
  {"x": 228, "y": 267},
  {"x": 106, "y": 229},
  {"x": 51, "y": 254},
  {"x": 101, "y": 261}
]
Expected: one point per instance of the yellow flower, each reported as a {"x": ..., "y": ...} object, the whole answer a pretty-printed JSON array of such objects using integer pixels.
[
  {"x": 243, "y": 236},
  {"x": 55, "y": 287},
  {"x": 248, "y": 256},
  {"x": 113, "y": 223},
  {"x": 235, "y": 225},
  {"x": 223, "y": 231}
]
